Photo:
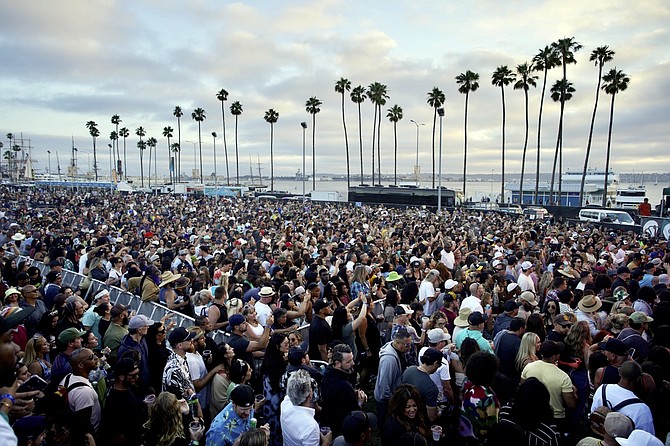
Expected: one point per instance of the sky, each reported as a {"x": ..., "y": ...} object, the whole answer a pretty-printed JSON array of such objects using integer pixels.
[{"x": 74, "y": 61}]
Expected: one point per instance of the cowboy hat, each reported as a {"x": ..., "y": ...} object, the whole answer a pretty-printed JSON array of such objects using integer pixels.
[
  {"x": 393, "y": 276},
  {"x": 168, "y": 277}
]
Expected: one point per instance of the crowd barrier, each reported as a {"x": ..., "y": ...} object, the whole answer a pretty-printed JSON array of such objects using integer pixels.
[{"x": 153, "y": 310}]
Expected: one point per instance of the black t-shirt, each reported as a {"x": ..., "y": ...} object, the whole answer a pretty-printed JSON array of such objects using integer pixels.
[
  {"x": 240, "y": 345},
  {"x": 122, "y": 418},
  {"x": 319, "y": 334}
]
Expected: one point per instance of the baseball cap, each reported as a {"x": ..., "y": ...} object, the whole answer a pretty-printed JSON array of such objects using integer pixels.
[
  {"x": 529, "y": 297},
  {"x": 139, "y": 321},
  {"x": 511, "y": 305},
  {"x": 69, "y": 335},
  {"x": 295, "y": 355},
  {"x": 526, "y": 265},
  {"x": 320, "y": 305},
  {"x": 622, "y": 270},
  {"x": 29, "y": 427},
  {"x": 357, "y": 423},
  {"x": 124, "y": 366},
  {"x": 512, "y": 286},
  {"x": 449, "y": 284},
  {"x": 235, "y": 320},
  {"x": 431, "y": 356},
  {"x": 401, "y": 309},
  {"x": 180, "y": 334},
  {"x": 436, "y": 335},
  {"x": 299, "y": 291},
  {"x": 639, "y": 317},
  {"x": 639, "y": 438},
  {"x": 476, "y": 318},
  {"x": 562, "y": 320},
  {"x": 615, "y": 346},
  {"x": 242, "y": 396},
  {"x": 13, "y": 316},
  {"x": 618, "y": 425}
]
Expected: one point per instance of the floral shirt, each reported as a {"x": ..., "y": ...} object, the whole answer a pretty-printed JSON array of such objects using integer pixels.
[
  {"x": 177, "y": 377},
  {"x": 227, "y": 426},
  {"x": 481, "y": 407}
]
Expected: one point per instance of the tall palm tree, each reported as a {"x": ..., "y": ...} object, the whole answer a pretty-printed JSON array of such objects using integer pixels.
[
  {"x": 544, "y": 60},
  {"x": 395, "y": 114},
  {"x": 566, "y": 49},
  {"x": 174, "y": 148},
  {"x": 114, "y": 136},
  {"x": 167, "y": 133},
  {"x": 525, "y": 80},
  {"x": 222, "y": 96},
  {"x": 116, "y": 120},
  {"x": 357, "y": 97},
  {"x": 600, "y": 56},
  {"x": 236, "y": 110},
  {"x": 373, "y": 94},
  {"x": 342, "y": 86},
  {"x": 177, "y": 113},
  {"x": 199, "y": 116},
  {"x": 272, "y": 116},
  {"x": 152, "y": 143},
  {"x": 124, "y": 133},
  {"x": 435, "y": 100},
  {"x": 139, "y": 131},
  {"x": 615, "y": 81},
  {"x": 382, "y": 96},
  {"x": 560, "y": 91},
  {"x": 93, "y": 130},
  {"x": 312, "y": 106},
  {"x": 468, "y": 82},
  {"x": 502, "y": 77}
]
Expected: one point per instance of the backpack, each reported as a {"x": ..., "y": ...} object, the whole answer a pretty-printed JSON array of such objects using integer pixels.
[
  {"x": 57, "y": 402},
  {"x": 597, "y": 417}
]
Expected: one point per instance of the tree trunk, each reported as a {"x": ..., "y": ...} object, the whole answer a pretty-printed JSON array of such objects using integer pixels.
[{"x": 609, "y": 145}]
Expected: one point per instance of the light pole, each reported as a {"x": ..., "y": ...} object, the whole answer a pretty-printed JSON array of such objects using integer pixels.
[
  {"x": 111, "y": 181},
  {"x": 304, "y": 129},
  {"x": 440, "y": 111},
  {"x": 216, "y": 183},
  {"x": 49, "y": 155},
  {"x": 416, "y": 167}
]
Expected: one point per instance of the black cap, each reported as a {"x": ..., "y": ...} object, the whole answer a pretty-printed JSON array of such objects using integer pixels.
[
  {"x": 476, "y": 318},
  {"x": 622, "y": 270},
  {"x": 295, "y": 356},
  {"x": 357, "y": 423},
  {"x": 180, "y": 334},
  {"x": 511, "y": 305},
  {"x": 242, "y": 396}
]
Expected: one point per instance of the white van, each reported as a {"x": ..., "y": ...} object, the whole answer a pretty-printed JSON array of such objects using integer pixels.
[{"x": 606, "y": 216}]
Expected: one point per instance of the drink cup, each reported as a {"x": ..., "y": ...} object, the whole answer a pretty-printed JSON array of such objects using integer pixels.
[
  {"x": 259, "y": 399},
  {"x": 325, "y": 430},
  {"x": 194, "y": 427},
  {"x": 149, "y": 400},
  {"x": 207, "y": 355},
  {"x": 437, "y": 432}
]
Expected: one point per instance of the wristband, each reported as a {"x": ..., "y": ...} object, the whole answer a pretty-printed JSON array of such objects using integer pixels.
[{"x": 9, "y": 397}]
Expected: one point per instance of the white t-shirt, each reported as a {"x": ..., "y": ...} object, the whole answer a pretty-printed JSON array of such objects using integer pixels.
[
  {"x": 525, "y": 283},
  {"x": 426, "y": 289},
  {"x": 440, "y": 375},
  {"x": 82, "y": 397},
  {"x": 447, "y": 258},
  {"x": 263, "y": 311},
  {"x": 638, "y": 412},
  {"x": 198, "y": 370}
]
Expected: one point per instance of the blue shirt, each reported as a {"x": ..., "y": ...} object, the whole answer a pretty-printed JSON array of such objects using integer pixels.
[{"x": 227, "y": 426}]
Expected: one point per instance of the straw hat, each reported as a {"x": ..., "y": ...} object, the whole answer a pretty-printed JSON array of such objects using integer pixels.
[
  {"x": 168, "y": 277},
  {"x": 589, "y": 304},
  {"x": 462, "y": 319}
]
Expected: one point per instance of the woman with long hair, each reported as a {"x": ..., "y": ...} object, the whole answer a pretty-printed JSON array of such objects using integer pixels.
[
  {"x": 344, "y": 325},
  {"x": 165, "y": 426},
  {"x": 530, "y": 344},
  {"x": 37, "y": 351},
  {"x": 406, "y": 413},
  {"x": 158, "y": 354},
  {"x": 578, "y": 345},
  {"x": 392, "y": 299},
  {"x": 272, "y": 369},
  {"x": 47, "y": 329},
  {"x": 360, "y": 283},
  {"x": 551, "y": 310},
  {"x": 254, "y": 328},
  {"x": 535, "y": 324},
  {"x": 224, "y": 354}
]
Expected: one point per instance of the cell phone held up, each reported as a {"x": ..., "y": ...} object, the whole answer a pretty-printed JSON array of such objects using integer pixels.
[{"x": 33, "y": 383}]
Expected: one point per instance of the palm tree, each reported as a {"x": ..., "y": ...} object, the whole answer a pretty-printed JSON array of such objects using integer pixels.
[
  {"x": 236, "y": 110},
  {"x": 222, "y": 96},
  {"x": 124, "y": 133},
  {"x": 151, "y": 142},
  {"x": 199, "y": 115},
  {"x": 435, "y": 100},
  {"x": 177, "y": 113},
  {"x": 395, "y": 114},
  {"x": 373, "y": 94},
  {"x": 167, "y": 133},
  {"x": 357, "y": 97},
  {"x": 342, "y": 86},
  {"x": 501, "y": 77},
  {"x": 116, "y": 120},
  {"x": 271, "y": 116},
  {"x": 544, "y": 60},
  {"x": 312, "y": 107},
  {"x": 525, "y": 80},
  {"x": 468, "y": 82},
  {"x": 615, "y": 81},
  {"x": 560, "y": 91},
  {"x": 566, "y": 49},
  {"x": 139, "y": 131},
  {"x": 174, "y": 147},
  {"x": 93, "y": 130},
  {"x": 114, "y": 136},
  {"x": 600, "y": 56}
]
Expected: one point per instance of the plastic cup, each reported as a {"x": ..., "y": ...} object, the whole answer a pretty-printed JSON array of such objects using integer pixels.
[
  {"x": 325, "y": 430},
  {"x": 437, "y": 432},
  {"x": 259, "y": 399},
  {"x": 149, "y": 399},
  {"x": 194, "y": 427},
  {"x": 207, "y": 355}
]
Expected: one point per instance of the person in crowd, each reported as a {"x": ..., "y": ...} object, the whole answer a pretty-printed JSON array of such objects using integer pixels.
[
  {"x": 528, "y": 352},
  {"x": 234, "y": 419},
  {"x": 123, "y": 414},
  {"x": 117, "y": 329},
  {"x": 419, "y": 377},
  {"x": 391, "y": 367},
  {"x": 82, "y": 398},
  {"x": 406, "y": 413},
  {"x": 165, "y": 426},
  {"x": 320, "y": 332},
  {"x": 480, "y": 404},
  {"x": 35, "y": 357},
  {"x": 272, "y": 369},
  {"x": 298, "y": 425}
]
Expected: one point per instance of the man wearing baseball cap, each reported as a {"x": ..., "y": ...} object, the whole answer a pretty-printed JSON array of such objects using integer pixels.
[
  {"x": 245, "y": 348},
  {"x": 135, "y": 341},
  {"x": 525, "y": 281},
  {"x": 632, "y": 336},
  {"x": 475, "y": 329},
  {"x": 69, "y": 340},
  {"x": 234, "y": 419},
  {"x": 438, "y": 339},
  {"x": 176, "y": 375}
]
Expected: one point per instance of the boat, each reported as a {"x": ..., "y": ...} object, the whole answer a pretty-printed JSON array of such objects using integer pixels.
[{"x": 630, "y": 197}]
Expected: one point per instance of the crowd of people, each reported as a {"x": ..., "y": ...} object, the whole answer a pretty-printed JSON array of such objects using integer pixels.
[{"x": 345, "y": 325}]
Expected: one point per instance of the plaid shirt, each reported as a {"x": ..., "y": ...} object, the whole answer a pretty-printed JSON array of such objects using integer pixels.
[{"x": 357, "y": 287}]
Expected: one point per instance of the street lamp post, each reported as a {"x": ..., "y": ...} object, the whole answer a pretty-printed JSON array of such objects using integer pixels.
[
  {"x": 440, "y": 111},
  {"x": 111, "y": 181},
  {"x": 49, "y": 155},
  {"x": 304, "y": 129},
  {"x": 416, "y": 166},
  {"x": 216, "y": 182}
]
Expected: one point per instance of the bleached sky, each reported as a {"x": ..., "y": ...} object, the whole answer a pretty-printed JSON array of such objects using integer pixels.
[{"x": 68, "y": 62}]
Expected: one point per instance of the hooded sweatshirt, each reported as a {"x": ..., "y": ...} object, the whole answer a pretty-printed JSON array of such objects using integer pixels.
[{"x": 390, "y": 372}]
